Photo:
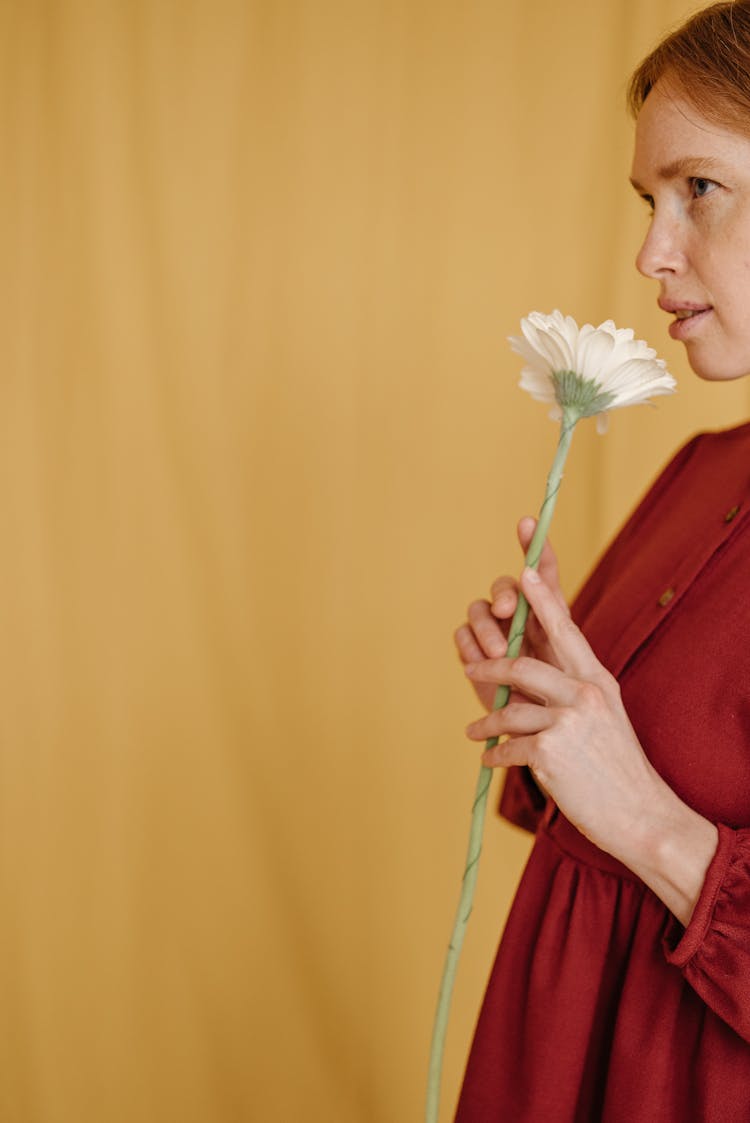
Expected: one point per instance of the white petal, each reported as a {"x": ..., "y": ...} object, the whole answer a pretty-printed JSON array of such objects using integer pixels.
[
  {"x": 623, "y": 367},
  {"x": 595, "y": 349},
  {"x": 540, "y": 386},
  {"x": 532, "y": 357},
  {"x": 548, "y": 343}
]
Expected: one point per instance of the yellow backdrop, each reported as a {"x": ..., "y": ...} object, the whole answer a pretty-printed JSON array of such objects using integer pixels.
[{"x": 261, "y": 443}]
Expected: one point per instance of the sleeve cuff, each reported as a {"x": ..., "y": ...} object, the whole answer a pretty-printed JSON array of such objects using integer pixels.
[{"x": 680, "y": 944}]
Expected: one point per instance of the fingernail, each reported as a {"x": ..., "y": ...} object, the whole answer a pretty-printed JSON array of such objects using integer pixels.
[{"x": 532, "y": 576}]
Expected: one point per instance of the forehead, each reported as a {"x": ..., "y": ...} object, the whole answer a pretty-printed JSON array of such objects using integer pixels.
[{"x": 672, "y": 134}]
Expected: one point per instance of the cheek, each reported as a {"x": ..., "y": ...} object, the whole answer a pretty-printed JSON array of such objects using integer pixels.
[
  {"x": 725, "y": 271},
  {"x": 721, "y": 237}
]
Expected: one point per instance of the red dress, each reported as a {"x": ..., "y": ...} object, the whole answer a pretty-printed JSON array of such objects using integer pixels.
[{"x": 600, "y": 1006}]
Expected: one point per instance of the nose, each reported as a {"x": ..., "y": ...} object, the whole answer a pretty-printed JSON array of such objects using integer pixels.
[{"x": 662, "y": 250}]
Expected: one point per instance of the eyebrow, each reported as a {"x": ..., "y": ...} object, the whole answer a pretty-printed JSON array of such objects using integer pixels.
[{"x": 684, "y": 166}]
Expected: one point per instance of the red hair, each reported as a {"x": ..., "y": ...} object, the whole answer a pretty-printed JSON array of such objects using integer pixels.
[{"x": 708, "y": 59}]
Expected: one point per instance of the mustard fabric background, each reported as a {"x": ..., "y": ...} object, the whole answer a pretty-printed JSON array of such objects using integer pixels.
[{"x": 261, "y": 442}]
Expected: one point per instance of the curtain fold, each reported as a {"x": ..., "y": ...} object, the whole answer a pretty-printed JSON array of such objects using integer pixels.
[{"x": 260, "y": 444}]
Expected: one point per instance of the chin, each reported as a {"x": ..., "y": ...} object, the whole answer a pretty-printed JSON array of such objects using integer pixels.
[{"x": 712, "y": 369}]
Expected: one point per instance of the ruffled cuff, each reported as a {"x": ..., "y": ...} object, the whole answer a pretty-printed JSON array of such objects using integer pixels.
[
  {"x": 681, "y": 944},
  {"x": 713, "y": 952},
  {"x": 521, "y": 802}
]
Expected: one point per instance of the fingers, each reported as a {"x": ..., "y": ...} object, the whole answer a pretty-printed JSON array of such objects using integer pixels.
[
  {"x": 547, "y": 566},
  {"x": 482, "y": 637},
  {"x": 531, "y": 678},
  {"x": 517, "y": 718},
  {"x": 504, "y": 593},
  {"x": 468, "y": 649},
  {"x": 518, "y": 750},
  {"x": 568, "y": 644}
]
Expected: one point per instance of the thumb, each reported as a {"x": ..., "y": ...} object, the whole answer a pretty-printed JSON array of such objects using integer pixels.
[{"x": 547, "y": 567}]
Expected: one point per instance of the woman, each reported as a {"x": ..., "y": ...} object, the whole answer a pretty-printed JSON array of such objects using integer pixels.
[{"x": 621, "y": 990}]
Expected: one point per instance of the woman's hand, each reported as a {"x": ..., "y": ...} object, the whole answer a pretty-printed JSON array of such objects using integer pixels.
[
  {"x": 485, "y": 633},
  {"x": 568, "y": 724}
]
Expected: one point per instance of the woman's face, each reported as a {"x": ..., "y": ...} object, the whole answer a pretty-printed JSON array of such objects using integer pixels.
[{"x": 695, "y": 176}]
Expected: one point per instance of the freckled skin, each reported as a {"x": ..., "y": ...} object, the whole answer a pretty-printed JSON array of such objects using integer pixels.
[{"x": 695, "y": 174}]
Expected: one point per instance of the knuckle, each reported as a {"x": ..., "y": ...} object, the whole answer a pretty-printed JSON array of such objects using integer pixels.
[
  {"x": 502, "y": 585},
  {"x": 542, "y": 754},
  {"x": 568, "y": 722},
  {"x": 598, "y": 694},
  {"x": 507, "y": 720},
  {"x": 493, "y": 759},
  {"x": 608, "y": 683},
  {"x": 462, "y": 635},
  {"x": 477, "y": 611},
  {"x": 520, "y": 669},
  {"x": 542, "y": 743},
  {"x": 564, "y": 628},
  {"x": 590, "y": 694}
]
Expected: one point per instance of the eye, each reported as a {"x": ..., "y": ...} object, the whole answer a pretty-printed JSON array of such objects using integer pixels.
[{"x": 701, "y": 186}]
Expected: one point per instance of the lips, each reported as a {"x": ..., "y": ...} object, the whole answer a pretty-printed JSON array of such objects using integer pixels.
[
  {"x": 688, "y": 315},
  {"x": 682, "y": 308}
]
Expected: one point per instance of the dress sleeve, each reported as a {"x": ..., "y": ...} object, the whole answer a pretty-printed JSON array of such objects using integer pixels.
[
  {"x": 521, "y": 802},
  {"x": 713, "y": 952}
]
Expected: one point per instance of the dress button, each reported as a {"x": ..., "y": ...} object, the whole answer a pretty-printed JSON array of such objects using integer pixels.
[
  {"x": 666, "y": 597},
  {"x": 731, "y": 513}
]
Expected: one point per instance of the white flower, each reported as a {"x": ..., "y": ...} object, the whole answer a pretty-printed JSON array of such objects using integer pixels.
[{"x": 587, "y": 370}]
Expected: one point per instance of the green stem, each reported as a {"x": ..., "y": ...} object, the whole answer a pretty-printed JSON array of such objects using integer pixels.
[
  {"x": 554, "y": 479},
  {"x": 468, "y": 885}
]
